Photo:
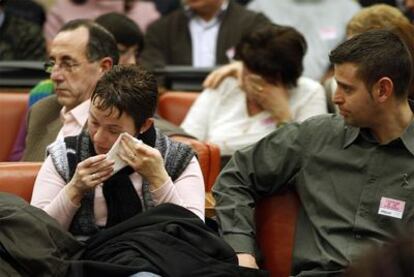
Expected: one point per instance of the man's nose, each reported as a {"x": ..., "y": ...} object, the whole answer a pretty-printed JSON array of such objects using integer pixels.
[
  {"x": 56, "y": 74},
  {"x": 338, "y": 98}
]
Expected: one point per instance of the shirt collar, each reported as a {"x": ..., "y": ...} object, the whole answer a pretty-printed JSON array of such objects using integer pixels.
[
  {"x": 408, "y": 138},
  {"x": 191, "y": 14},
  {"x": 351, "y": 134},
  {"x": 79, "y": 113}
]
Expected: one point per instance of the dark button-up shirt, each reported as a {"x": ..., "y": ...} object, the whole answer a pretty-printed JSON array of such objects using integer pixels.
[{"x": 340, "y": 173}]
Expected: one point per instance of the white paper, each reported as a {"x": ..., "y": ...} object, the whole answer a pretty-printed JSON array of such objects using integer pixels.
[{"x": 113, "y": 152}]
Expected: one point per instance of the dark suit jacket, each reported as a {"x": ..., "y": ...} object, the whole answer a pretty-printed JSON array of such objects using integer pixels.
[
  {"x": 44, "y": 123},
  {"x": 168, "y": 40}
]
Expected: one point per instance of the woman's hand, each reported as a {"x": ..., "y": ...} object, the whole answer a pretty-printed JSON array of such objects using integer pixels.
[
  {"x": 145, "y": 160},
  {"x": 89, "y": 173},
  {"x": 272, "y": 98}
]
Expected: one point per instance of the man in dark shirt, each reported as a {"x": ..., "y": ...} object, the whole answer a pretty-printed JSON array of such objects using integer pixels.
[{"x": 353, "y": 173}]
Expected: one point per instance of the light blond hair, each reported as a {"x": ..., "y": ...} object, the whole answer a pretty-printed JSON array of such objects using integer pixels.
[{"x": 378, "y": 16}]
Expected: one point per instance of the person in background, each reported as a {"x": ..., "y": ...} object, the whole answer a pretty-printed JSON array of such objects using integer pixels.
[
  {"x": 129, "y": 40},
  {"x": 165, "y": 7},
  {"x": 271, "y": 93},
  {"x": 79, "y": 55},
  {"x": 407, "y": 7},
  {"x": 322, "y": 22},
  {"x": 202, "y": 34},
  {"x": 350, "y": 171},
  {"x": 128, "y": 36},
  {"x": 19, "y": 39},
  {"x": 28, "y": 9},
  {"x": 367, "y": 3},
  {"x": 141, "y": 12}
]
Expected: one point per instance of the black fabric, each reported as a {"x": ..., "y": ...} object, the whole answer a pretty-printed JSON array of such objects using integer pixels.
[
  {"x": 121, "y": 198},
  {"x": 5, "y": 255},
  {"x": 148, "y": 137},
  {"x": 168, "y": 240},
  {"x": 32, "y": 242}
]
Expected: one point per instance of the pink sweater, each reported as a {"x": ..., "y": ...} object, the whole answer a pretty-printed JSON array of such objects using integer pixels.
[{"x": 50, "y": 195}]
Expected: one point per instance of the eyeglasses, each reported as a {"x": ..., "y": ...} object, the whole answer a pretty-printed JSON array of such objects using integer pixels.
[{"x": 65, "y": 66}]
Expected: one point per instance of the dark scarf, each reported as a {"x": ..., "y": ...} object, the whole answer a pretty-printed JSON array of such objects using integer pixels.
[{"x": 120, "y": 195}]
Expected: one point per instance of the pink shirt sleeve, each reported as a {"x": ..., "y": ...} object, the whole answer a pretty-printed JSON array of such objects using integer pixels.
[
  {"x": 49, "y": 193},
  {"x": 187, "y": 191}
]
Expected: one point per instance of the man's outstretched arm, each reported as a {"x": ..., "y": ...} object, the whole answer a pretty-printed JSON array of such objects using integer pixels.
[{"x": 257, "y": 171}]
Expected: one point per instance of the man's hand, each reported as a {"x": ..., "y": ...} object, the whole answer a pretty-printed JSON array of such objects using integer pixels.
[
  {"x": 247, "y": 260},
  {"x": 214, "y": 79}
]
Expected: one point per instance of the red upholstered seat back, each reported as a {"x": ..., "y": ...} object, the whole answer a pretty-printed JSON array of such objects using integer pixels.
[
  {"x": 276, "y": 222},
  {"x": 18, "y": 178},
  {"x": 13, "y": 106},
  {"x": 173, "y": 105}
]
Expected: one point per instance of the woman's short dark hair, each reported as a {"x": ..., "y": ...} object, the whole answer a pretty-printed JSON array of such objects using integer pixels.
[
  {"x": 129, "y": 89},
  {"x": 101, "y": 42},
  {"x": 274, "y": 52}
]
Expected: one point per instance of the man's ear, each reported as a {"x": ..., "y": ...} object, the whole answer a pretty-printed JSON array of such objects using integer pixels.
[
  {"x": 106, "y": 64},
  {"x": 383, "y": 89},
  {"x": 146, "y": 125}
]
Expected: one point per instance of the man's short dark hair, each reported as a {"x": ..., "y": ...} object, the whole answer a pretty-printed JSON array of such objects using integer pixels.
[
  {"x": 377, "y": 54},
  {"x": 101, "y": 42},
  {"x": 124, "y": 29},
  {"x": 274, "y": 52},
  {"x": 129, "y": 89}
]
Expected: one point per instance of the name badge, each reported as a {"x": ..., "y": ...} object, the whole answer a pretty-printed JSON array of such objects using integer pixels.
[{"x": 391, "y": 207}]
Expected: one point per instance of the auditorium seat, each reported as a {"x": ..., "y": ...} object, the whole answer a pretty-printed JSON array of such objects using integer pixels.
[
  {"x": 208, "y": 156},
  {"x": 13, "y": 106},
  {"x": 174, "y": 105}
]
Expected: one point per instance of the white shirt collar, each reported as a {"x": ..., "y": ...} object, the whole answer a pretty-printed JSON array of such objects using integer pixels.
[{"x": 191, "y": 14}]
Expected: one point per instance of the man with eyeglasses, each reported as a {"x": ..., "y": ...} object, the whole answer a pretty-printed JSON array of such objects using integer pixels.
[
  {"x": 128, "y": 37},
  {"x": 80, "y": 54}
]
